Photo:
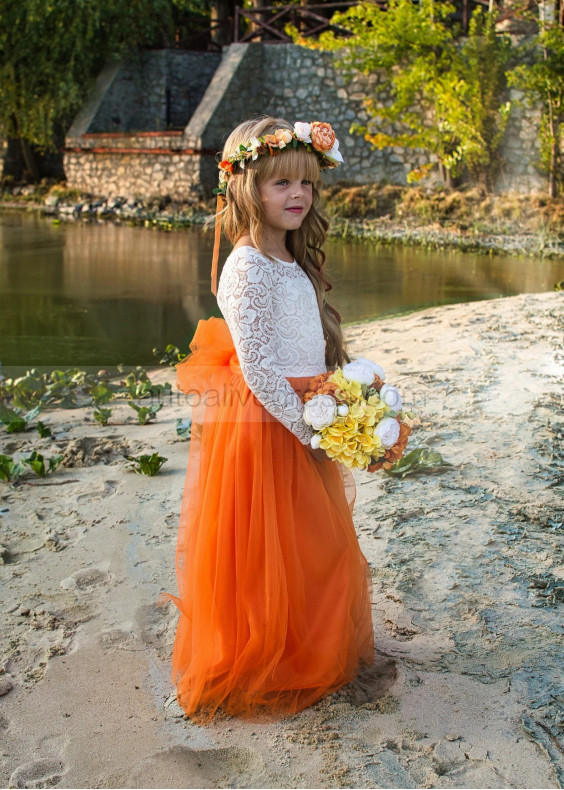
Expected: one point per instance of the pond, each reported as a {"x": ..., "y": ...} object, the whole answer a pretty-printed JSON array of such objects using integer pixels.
[{"x": 97, "y": 294}]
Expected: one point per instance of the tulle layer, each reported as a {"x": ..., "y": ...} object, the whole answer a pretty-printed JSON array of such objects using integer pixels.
[{"x": 274, "y": 592}]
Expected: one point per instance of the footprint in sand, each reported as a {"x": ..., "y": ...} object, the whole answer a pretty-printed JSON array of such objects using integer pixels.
[
  {"x": 171, "y": 520},
  {"x": 114, "y": 638},
  {"x": 46, "y": 772},
  {"x": 190, "y": 768},
  {"x": 371, "y": 684},
  {"x": 152, "y": 622},
  {"x": 86, "y": 578},
  {"x": 108, "y": 489}
]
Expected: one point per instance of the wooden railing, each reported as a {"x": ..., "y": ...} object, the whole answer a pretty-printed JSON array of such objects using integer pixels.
[{"x": 268, "y": 23}]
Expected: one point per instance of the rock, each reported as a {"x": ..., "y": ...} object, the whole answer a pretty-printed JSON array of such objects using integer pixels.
[{"x": 6, "y": 685}]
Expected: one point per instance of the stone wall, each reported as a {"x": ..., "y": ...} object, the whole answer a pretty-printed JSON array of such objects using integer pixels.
[
  {"x": 155, "y": 91},
  {"x": 209, "y": 97}
]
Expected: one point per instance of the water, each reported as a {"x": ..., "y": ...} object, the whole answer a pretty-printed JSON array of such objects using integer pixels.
[{"x": 84, "y": 295}]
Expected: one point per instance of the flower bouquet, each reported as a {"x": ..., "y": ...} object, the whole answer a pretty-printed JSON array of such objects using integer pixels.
[{"x": 358, "y": 418}]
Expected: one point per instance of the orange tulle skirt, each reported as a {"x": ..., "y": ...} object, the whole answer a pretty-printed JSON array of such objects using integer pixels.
[{"x": 274, "y": 592}]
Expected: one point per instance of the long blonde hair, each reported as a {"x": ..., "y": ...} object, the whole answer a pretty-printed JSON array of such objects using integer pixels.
[{"x": 243, "y": 214}]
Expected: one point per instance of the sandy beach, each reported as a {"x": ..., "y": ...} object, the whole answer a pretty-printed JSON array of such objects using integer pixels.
[{"x": 468, "y": 566}]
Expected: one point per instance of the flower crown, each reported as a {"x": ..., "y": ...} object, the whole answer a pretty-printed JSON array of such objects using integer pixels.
[{"x": 317, "y": 137}]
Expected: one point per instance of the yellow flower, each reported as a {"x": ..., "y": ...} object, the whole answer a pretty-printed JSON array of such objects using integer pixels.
[{"x": 350, "y": 390}]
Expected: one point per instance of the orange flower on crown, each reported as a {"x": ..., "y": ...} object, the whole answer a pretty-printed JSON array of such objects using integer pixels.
[
  {"x": 226, "y": 165},
  {"x": 322, "y": 136},
  {"x": 283, "y": 137},
  {"x": 271, "y": 141}
]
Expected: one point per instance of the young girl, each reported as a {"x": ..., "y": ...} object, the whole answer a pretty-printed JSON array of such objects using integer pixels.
[{"x": 274, "y": 592}]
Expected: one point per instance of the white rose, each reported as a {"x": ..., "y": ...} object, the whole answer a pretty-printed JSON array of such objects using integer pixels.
[
  {"x": 391, "y": 397},
  {"x": 303, "y": 131},
  {"x": 378, "y": 371},
  {"x": 388, "y": 430},
  {"x": 315, "y": 441},
  {"x": 359, "y": 372},
  {"x": 320, "y": 411},
  {"x": 334, "y": 154},
  {"x": 342, "y": 410}
]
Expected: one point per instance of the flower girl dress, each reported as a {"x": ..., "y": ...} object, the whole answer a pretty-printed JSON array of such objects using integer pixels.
[{"x": 274, "y": 592}]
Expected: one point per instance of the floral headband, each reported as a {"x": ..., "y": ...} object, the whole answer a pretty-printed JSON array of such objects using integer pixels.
[{"x": 317, "y": 137}]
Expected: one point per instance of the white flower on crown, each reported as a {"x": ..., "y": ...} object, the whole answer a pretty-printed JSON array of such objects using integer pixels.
[
  {"x": 254, "y": 145},
  {"x": 334, "y": 155},
  {"x": 388, "y": 430},
  {"x": 303, "y": 131}
]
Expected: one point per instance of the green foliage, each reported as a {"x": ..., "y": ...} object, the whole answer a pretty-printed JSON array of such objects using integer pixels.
[
  {"x": 183, "y": 427},
  {"x": 51, "y": 51},
  {"x": 11, "y": 471},
  {"x": 102, "y": 415},
  {"x": 43, "y": 430},
  {"x": 37, "y": 462},
  {"x": 15, "y": 421},
  {"x": 469, "y": 99},
  {"x": 59, "y": 387},
  {"x": 421, "y": 460},
  {"x": 146, "y": 413},
  {"x": 541, "y": 77},
  {"x": 170, "y": 356},
  {"x": 138, "y": 385},
  {"x": 146, "y": 464},
  {"x": 446, "y": 97}
]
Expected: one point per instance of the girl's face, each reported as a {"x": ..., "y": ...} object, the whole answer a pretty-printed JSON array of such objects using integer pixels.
[{"x": 286, "y": 200}]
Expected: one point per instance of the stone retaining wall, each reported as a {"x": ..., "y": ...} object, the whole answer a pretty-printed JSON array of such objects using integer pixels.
[{"x": 251, "y": 79}]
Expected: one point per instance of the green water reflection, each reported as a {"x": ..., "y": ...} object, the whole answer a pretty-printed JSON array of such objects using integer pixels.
[{"x": 100, "y": 294}]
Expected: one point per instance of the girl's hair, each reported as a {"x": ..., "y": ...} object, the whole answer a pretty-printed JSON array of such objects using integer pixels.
[{"x": 243, "y": 214}]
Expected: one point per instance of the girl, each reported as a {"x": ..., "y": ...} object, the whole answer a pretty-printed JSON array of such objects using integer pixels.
[{"x": 274, "y": 592}]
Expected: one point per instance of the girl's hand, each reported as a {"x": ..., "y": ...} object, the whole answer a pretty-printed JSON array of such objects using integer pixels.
[{"x": 318, "y": 454}]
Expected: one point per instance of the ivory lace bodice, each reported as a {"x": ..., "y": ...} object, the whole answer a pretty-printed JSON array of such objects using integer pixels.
[{"x": 272, "y": 313}]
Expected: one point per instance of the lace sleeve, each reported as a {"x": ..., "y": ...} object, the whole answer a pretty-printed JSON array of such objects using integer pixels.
[{"x": 247, "y": 309}]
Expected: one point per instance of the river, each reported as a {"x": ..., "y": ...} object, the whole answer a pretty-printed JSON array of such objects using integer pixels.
[{"x": 96, "y": 294}]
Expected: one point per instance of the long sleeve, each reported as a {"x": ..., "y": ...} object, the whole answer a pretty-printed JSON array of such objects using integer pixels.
[{"x": 247, "y": 306}]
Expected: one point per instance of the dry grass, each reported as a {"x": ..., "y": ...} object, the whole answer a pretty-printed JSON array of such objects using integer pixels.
[{"x": 469, "y": 209}]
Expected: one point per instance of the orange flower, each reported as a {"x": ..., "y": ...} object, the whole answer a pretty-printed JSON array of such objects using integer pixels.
[
  {"x": 377, "y": 383},
  {"x": 318, "y": 385},
  {"x": 322, "y": 136},
  {"x": 284, "y": 136},
  {"x": 271, "y": 141},
  {"x": 226, "y": 165}
]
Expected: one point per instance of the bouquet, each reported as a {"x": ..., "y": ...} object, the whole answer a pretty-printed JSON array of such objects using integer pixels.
[{"x": 358, "y": 418}]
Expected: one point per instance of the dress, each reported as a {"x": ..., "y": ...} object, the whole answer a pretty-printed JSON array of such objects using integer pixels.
[{"x": 274, "y": 592}]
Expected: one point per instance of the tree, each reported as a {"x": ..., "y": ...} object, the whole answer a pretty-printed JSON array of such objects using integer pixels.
[
  {"x": 445, "y": 96},
  {"x": 542, "y": 79},
  {"x": 50, "y": 51}
]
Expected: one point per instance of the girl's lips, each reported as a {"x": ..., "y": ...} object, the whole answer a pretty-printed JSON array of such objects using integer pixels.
[{"x": 295, "y": 210}]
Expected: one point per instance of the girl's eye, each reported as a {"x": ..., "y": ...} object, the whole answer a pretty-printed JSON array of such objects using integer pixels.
[
  {"x": 305, "y": 181},
  {"x": 282, "y": 181}
]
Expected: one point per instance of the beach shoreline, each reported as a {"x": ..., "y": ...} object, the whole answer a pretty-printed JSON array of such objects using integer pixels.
[{"x": 467, "y": 565}]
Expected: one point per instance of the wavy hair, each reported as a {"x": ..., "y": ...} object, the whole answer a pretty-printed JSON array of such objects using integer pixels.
[{"x": 243, "y": 214}]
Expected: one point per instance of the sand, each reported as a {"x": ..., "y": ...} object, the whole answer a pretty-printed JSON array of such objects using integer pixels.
[{"x": 468, "y": 570}]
